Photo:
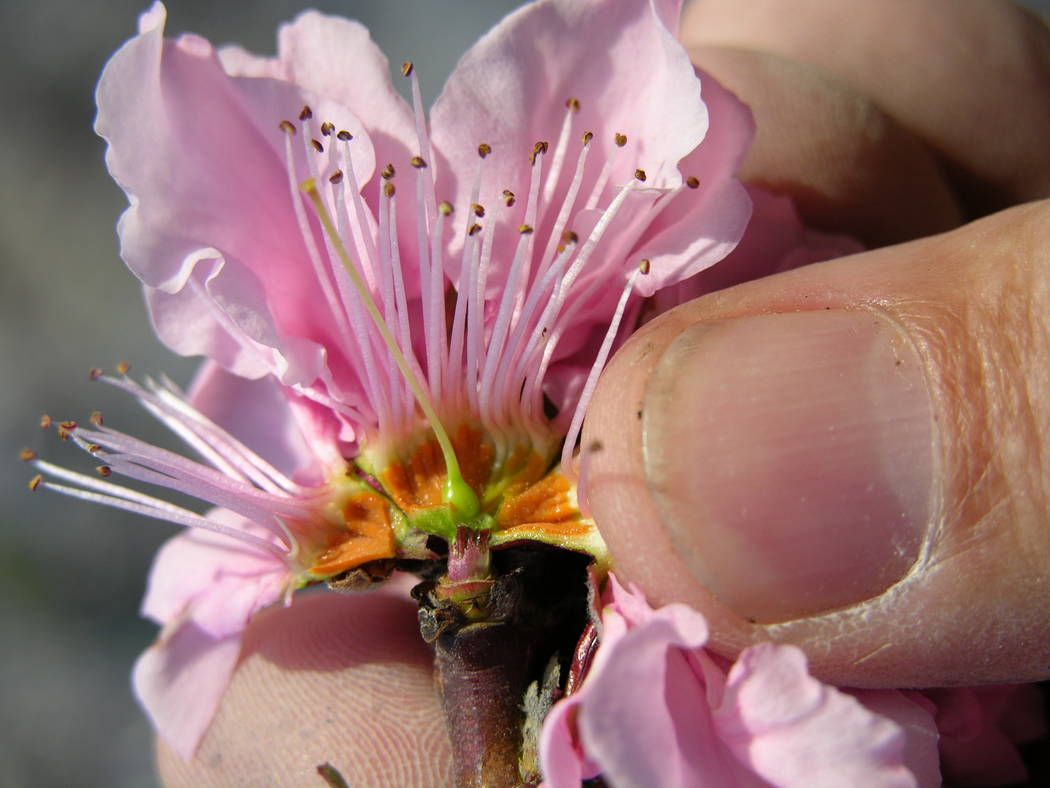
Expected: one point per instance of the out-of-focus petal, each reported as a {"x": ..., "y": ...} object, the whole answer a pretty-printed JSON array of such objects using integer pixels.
[
  {"x": 179, "y": 681},
  {"x": 980, "y": 728}
]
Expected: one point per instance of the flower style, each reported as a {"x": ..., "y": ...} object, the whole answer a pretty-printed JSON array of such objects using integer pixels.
[{"x": 380, "y": 374}]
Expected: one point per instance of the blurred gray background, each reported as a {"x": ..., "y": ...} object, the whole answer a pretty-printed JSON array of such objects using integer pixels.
[{"x": 71, "y": 574}]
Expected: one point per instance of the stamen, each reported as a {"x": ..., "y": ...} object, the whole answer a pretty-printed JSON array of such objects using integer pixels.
[
  {"x": 457, "y": 492},
  {"x": 692, "y": 182},
  {"x": 592, "y": 379}
]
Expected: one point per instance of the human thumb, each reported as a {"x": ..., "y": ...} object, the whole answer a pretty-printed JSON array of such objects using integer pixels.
[{"x": 851, "y": 457}]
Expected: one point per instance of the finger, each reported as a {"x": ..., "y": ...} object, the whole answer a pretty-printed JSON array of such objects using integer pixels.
[
  {"x": 343, "y": 679},
  {"x": 848, "y": 166},
  {"x": 849, "y": 457},
  {"x": 968, "y": 76}
]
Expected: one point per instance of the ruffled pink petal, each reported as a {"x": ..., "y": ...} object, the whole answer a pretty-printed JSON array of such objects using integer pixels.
[
  {"x": 646, "y": 717},
  {"x": 702, "y": 225},
  {"x": 212, "y": 581},
  {"x": 775, "y": 240},
  {"x": 915, "y": 716},
  {"x": 179, "y": 681},
  {"x": 202, "y": 160},
  {"x": 795, "y": 731}
]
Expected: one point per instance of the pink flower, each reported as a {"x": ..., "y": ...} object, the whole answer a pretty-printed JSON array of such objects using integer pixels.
[
  {"x": 657, "y": 708},
  {"x": 390, "y": 343}
]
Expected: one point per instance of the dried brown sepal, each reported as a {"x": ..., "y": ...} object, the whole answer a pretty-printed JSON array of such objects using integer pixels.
[{"x": 366, "y": 577}]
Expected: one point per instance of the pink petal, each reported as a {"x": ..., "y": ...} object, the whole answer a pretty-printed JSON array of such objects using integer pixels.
[
  {"x": 211, "y": 580},
  {"x": 702, "y": 225},
  {"x": 645, "y": 712},
  {"x": 257, "y": 413},
  {"x": 202, "y": 160},
  {"x": 179, "y": 681},
  {"x": 914, "y": 714},
  {"x": 793, "y": 730}
]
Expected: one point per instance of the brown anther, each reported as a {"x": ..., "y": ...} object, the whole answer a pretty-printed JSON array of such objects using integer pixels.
[
  {"x": 692, "y": 182},
  {"x": 287, "y": 127},
  {"x": 344, "y": 135},
  {"x": 524, "y": 229},
  {"x": 388, "y": 189},
  {"x": 445, "y": 208},
  {"x": 587, "y": 137},
  {"x": 570, "y": 237},
  {"x": 45, "y": 421},
  {"x": 306, "y": 113},
  {"x": 327, "y": 128},
  {"x": 474, "y": 229},
  {"x": 640, "y": 174},
  {"x": 35, "y": 481},
  {"x": 123, "y": 367},
  {"x": 26, "y": 455},
  {"x": 94, "y": 373},
  {"x": 68, "y": 425},
  {"x": 479, "y": 210},
  {"x": 317, "y": 146},
  {"x": 417, "y": 162},
  {"x": 573, "y": 104},
  {"x": 387, "y": 172},
  {"x": 620, "y": 139},
  {"x": 96, "y": 418},
  {"x": 406, "y": 68},
  {"x": 543, "y": 333},
  {"x": 104, "y": 470},
  {"x": 336, "y": 177},
  {"x": 94, "y": 448},
  {"x": 64, "y": 434},
  {"x": 644, "y": 266},
  {"x": 484, "y": 149}
]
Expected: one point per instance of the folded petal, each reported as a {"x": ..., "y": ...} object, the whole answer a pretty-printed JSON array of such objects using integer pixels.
[
  {"x": 203, "y": 161},
  {"x": 795, "y": 731}
]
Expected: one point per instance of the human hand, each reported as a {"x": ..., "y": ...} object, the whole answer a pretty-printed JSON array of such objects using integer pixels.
[
  {"x": 766, "y": 450},
  {"x": 359, "y": 662}
]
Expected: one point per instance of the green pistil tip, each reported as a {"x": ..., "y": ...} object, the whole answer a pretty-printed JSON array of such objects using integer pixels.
[{"x": 461, "y": 497}]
